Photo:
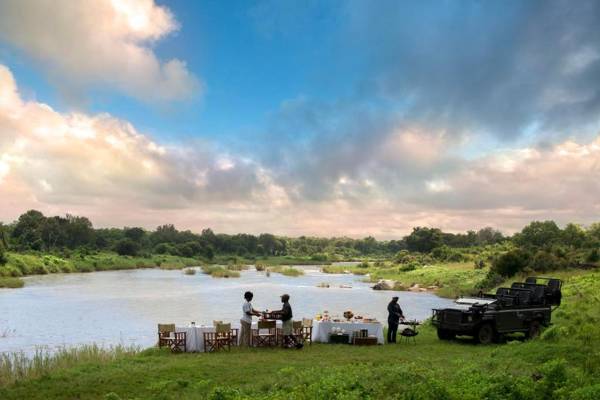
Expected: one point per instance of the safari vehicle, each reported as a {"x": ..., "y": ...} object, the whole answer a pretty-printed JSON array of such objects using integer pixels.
[{"x": 524, "y": 307}]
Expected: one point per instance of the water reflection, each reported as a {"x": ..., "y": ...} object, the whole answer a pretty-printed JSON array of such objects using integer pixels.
[{"x": 123, "y": 307}]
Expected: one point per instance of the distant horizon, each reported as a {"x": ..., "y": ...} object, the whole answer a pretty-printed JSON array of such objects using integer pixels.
[
  {"x": 199, "y": 231},
  {"x": 302, "y": 118}
]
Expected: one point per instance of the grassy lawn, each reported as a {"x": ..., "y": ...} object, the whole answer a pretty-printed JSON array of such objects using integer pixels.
[{"x": 563, "y": 364}]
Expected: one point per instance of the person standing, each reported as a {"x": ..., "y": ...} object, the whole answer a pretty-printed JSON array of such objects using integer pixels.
[
  {"x": 285, "y": 314},
  {"x": 247, "y": 312},
  {"x": 394, "y": 316}
]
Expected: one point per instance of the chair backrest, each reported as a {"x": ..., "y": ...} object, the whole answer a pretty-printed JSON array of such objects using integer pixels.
[
  {"x": 267, "y": 325},
  {"x": 215, "y": 323},
  {"x": 166, "y": 328},
  {"x": 297, "y": 325},
  {"x": 223, "y": 328},
  {"x": 307, "y": 322}
]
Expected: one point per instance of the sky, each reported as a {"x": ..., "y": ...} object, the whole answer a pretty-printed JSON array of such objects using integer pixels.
[{"x": 329, "y": 118}]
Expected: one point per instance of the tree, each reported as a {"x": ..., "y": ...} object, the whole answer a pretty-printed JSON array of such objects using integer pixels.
[
  {"x": 538, "y": 234},
  {"x": 3, "y": 245},
  {"x": 573, "y": 235},
  {"x": 508, "y": 264},
  {"x": 164, "y": 234},
  {"x": 135, "y": 234},
  {"x": 127, "y": 247},
  {"x": 489, "y": 235},
  {"x": 54, "y": 233},
  {"x": 79, "y": 231},
  {"x": 423, "y": 239},
  {"x": 27, "y": 230}
]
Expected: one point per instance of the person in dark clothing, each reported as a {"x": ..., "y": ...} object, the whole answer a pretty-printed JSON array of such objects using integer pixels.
[
  {"x": 394, "y": 316},
  {"x": 287, "y": 325}
]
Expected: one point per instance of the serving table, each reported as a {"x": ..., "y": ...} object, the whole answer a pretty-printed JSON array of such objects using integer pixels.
[{"x": 322, "y": 330}]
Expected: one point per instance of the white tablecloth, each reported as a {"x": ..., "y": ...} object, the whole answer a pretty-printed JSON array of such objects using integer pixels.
[
  {"x": 194, "y": 335},
  {"x": 321, "y": 329}
]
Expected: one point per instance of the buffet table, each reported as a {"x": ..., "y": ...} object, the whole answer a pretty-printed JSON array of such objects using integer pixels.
[
  {"x": 194, "y": 340},
  {"x": 322, "y": 329}
]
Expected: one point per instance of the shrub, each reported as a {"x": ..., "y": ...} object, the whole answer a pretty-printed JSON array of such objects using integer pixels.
[
  {"x": 319, "y": 257},
  {"x": 127, "y": 247},
  {"x": 363, "y": 264},
  {"x": 592, "y": 257},
  {"x": 224, "y": 273},
  {"x": 165, "y": 248},
  {"x": 508, "y": 264},
  {"x": 411, "y": 266},
  {"x": 12, "y": 283},
  {"x": 545, "y": 261},
  {"x": 402, "y": 257}
]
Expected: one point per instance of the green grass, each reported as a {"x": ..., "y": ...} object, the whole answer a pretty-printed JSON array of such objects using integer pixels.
[
  {"x": 563, "y": 364},
  {"x": 11, "y": 283},
  {"x": 217, "y": 271},
  {"x": 267, "y": 260},
  {"x": 287, "y": 271}
]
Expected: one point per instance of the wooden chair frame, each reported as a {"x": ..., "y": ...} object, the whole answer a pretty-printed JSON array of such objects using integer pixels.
[
  {"x": 167, "y": 337},
  {"x": 223, "y": 337},
  {"x": 307, "y": 328},
  {"x": 265, "y": 339}
]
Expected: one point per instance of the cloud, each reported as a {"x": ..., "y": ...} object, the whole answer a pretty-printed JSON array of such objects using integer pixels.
[
  {"x": 95, "y": 162},
  {"x": 98, "y": 43},
  {"x": 338, "y": 169},
  {"x": 502, "y": 68}
]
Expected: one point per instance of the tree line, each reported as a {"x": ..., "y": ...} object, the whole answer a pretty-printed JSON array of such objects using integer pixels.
[
  {"x": 33, "y": 231},
  {"x": 539, "y": 246}
]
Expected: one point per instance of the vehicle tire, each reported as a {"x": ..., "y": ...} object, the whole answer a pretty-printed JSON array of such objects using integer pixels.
[
  {"x": 444, "y": 334},
  {"x": 485, "y": 334},
  {"x": 534, "y": 329}
]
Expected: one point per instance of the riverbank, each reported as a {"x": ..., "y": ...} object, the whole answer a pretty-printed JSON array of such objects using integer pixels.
[
  {"x": 448, "y": 280},
  {"x": 20, "y": 265},
  {"x": 563, "y": 363}
]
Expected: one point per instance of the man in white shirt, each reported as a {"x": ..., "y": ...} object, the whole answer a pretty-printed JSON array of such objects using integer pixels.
[{"x": 246, "y": 321}]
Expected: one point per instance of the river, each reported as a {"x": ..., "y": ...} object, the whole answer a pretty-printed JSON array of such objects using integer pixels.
[{"x": 123, "y": 307}]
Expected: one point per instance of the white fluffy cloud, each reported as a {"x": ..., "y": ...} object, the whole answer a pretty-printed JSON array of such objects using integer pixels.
[
  {"x": 102, "y": 167},
  {"x": 95, "y": 163},
  {"x": 99, "y": 42}
]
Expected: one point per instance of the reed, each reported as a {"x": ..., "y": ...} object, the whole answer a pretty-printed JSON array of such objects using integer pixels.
[
  {"x": 15, "y": 367},
  {"x": 10, "y": 282}
]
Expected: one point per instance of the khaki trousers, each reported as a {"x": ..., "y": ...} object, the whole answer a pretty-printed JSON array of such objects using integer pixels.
[{"x": 245, "y": 334}]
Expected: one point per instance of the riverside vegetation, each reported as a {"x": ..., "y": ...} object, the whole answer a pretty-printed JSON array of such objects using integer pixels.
[
  {"x": 564, "y": 363},
  {"x": 450, "y": 263}
]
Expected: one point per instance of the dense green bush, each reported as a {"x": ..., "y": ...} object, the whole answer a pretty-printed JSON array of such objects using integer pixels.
[
  {"x": 593, "y": 256},
  {"x": 510, "y": 263},
  {"x": 127, "y": 247}
]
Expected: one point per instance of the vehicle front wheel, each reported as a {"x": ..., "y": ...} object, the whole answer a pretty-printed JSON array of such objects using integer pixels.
[
  {"x": 534, "y": 330},
  {"x": 485, "y": 334},
  {"x": 444, "y": 334}
]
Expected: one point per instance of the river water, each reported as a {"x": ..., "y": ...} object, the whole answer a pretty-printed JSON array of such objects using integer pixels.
[{"x": 123, "y": 307}]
